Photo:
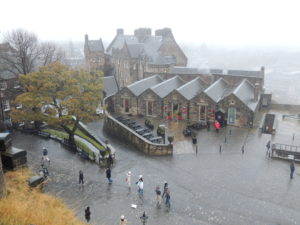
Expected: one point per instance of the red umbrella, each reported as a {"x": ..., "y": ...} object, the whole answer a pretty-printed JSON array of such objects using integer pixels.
[{"x": 217, "y": 124}]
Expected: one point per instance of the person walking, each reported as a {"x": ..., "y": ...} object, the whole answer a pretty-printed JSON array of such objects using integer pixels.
[
  {"x": 128, "y": 179},
  {"x": 140, "y": 185},
  {"x": 110, "y": 160},
  {"x": 44, "y": 171},
  {"x": 168, "y": 198},
  {"x": 292, "y": 166},
  {"x": 45, "y": 155},
  {"x": 108, "y": 175},
  {"x": 268, "y": 148},
  {"x": 123, "y": 221},
  {"x": 81, "y": 178},
  {"x": 165, "y": 189},
  {"x": 158, "y": 196},
  {"x": 87, "y": 214}
]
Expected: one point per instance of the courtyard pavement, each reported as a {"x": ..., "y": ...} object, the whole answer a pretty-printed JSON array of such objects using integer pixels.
[{"x": 228, "y": 188}]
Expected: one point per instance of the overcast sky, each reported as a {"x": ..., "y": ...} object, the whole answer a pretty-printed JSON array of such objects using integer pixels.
[{"x": 225, "y": 22}]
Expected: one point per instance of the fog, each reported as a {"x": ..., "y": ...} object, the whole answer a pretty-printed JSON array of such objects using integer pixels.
[{"x": 230, "y": 34}]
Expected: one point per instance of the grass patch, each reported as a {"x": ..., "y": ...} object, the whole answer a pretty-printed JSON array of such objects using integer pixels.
[
  {"x": 78, "y": 143},
  {"x": 91, "y": 140},
  {"x": 24, "y": 206}
]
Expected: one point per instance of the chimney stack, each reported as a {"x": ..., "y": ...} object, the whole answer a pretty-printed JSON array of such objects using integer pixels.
[
  {"x": 86, "y": 38},
  {"x": 256, "y": 92},
  {"x": 120, "y": 31}
]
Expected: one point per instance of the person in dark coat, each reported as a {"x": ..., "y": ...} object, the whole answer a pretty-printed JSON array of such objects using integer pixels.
[
  {"x": 81, "y": 180},
  {"x": 292, "y": 166},
  {"x": 110, "y": 160},
  {"x": 165, "y": 189},
  {"x": 87, "y": 214},
  {"x": 108, "y": 175}
]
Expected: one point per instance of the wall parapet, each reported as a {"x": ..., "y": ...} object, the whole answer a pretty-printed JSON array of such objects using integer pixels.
[{"x": 116, "y": 129}]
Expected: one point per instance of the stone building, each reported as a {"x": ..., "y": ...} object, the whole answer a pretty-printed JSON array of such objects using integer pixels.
[
  {"x": 234, "y": 77},
  {"x": 151, "y": 101},
  {"x": 9, "y": 89},
  {"x": 196, "y": 100},
  {"x": 126, "y": 100},
  {"x": 177, "y": 103},
  {"x": 132, "y": 56}
]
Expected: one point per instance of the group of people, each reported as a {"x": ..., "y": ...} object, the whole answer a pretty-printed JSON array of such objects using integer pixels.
[{"x": 160, "y": 197}]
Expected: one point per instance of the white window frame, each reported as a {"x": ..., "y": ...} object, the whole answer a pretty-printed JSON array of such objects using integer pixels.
[
  {"x": 6, "y": 105},
  {"x": 3, "y": 85}
]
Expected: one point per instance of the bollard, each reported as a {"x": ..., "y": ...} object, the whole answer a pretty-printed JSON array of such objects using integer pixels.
[
  {"x": 230, "y": 132},
  {"x": 220, "y": 149},
  {"x": 196, "y": 149},
  {"x": 225, "y": 139},
  {"x": 243, "y": 149}
]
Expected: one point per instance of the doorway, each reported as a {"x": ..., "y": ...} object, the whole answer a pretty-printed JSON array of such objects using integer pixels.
[
  {"x": 126, "y": 105},
  {"x": 149, "y": 108},
  {"x": 202, "y": 112},
  {"x": 231, "y": 115}
]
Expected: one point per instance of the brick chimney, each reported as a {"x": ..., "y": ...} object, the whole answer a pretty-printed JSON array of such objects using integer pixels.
[
  {"x": 165, "y": 33},
  {"x": 256, "y": 92},
  {"x": 142, "y": 33},
  {"x": 120, "y": 31}
]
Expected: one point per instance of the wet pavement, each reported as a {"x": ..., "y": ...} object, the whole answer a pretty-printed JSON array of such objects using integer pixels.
[{"x": 206, "y": 188}]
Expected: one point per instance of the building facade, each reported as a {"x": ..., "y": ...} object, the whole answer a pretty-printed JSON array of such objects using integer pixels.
[
  {"x": 196, "y": 100},
  {"x": 130, "y": 57}
]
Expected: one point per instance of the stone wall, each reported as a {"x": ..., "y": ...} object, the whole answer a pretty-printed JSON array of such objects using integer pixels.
[
  {"x": 116, "y": 129},
  {"x": 172, "y": 99},
  {"x": 145, "y": 97},
  {"x": 202, "y": 100}
]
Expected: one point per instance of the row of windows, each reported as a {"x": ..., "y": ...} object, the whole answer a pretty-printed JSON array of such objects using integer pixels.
[{"x": 3, "y": 85}]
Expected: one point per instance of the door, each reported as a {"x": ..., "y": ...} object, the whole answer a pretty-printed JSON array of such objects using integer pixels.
[
  {"x": 231, "y": 116},
  {"x": 149, "y": 108},
  {"x": 126, "y": 105},
  {"x": 202, "y": 112}
]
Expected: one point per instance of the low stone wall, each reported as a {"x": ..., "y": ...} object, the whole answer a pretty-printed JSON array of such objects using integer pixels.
[{"x": 116, "y": 129}]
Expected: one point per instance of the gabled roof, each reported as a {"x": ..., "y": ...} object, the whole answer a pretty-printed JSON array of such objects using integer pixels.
[
  {"x": 110, "y": 85},
  {"x": 245, "y": 92},
  {"x": 140, "y": 86},
  {"x": 164, "y": 88},
  {"x": 218, "y": 90},
  {"x": 192, "y": 88},
  {"x": 135, "y": 50},
  {"x": 120, "y": 40},
  {"x": 96, "y": 45}
]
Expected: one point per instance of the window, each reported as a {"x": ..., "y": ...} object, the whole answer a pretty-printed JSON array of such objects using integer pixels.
[
  {"x": 3, "y": 85},
  {"x": 16, "y": 84},
  {"x": 6, "y": 106}
]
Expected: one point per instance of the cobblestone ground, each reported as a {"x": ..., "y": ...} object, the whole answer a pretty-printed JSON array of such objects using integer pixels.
[{"x": 209, "y": 187}]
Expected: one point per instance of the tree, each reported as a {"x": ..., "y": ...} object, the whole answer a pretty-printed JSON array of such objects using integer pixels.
[
  {"x": 59, "y": 96},
  {"x": 51, "y": 53},
  {"x": 25, "y": 53}
]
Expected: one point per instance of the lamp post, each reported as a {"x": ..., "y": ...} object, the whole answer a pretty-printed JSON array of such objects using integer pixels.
[{"x": 144, "y": 218}]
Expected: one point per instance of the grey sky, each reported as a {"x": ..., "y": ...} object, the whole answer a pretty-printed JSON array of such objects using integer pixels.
[{"x": 228, "y": 22}]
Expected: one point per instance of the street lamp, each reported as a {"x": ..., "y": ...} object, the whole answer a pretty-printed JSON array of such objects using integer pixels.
[{"x": 144, "y": 218}]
